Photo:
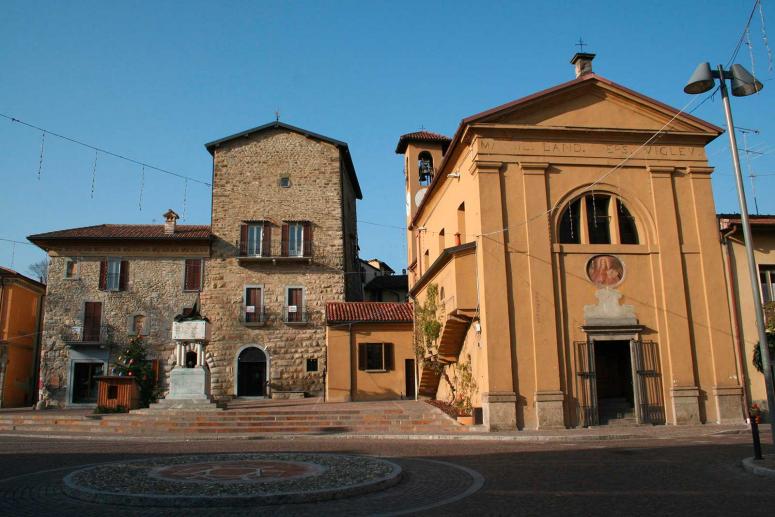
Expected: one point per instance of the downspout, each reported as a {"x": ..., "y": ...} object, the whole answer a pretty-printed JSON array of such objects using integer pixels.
[
  {"x": 353, "y": 366},
  {"x": 736, "y": 334},
  {"x": 35, "y": 378}
]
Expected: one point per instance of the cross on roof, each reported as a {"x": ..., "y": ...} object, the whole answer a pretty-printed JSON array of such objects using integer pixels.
[{"x": 581, "y": 45}]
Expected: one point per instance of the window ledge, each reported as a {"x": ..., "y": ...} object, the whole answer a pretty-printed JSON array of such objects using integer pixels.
[
  {"x": 254, "y": 323},
  {"x": 633, "y": 249},
  {"x": 375, "y": 371}
]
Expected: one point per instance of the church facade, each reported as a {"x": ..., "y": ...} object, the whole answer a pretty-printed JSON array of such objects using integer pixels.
[{"x": 570, "y": 239}]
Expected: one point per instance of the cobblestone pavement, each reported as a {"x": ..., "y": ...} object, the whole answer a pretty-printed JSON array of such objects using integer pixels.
[{"x": 654, "y": 476}]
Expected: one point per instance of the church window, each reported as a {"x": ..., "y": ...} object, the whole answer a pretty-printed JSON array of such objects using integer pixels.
[
  {"x": 597, "y": 219},
  {"x": 425, "y": 166},
  {"x": 628, "y": 233}
]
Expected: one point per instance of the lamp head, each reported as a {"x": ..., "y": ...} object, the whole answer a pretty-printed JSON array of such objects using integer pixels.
[
  {"x": 701, "y": 80},
  {"x": 743, "y": 83}
]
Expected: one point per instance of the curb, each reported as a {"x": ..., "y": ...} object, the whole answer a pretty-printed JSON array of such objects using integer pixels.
[
  {"x": 751, "y": 465},
  {"x": 533, "y": 438}
]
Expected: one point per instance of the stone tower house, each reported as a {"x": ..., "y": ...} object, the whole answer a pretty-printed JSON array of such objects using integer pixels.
[{"x": 284, "y": 242}]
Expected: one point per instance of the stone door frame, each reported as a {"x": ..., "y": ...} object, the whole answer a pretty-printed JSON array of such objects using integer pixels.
[
  {"x": 628, "y": 333},
  {"x": 235, "y": 380}
]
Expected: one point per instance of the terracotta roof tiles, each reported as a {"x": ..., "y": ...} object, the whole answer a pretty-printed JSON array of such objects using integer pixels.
[
  {"x": 353, "y": 312},
  {"x": 126, "y": 232},
  {"x": 422, "y": 136}
]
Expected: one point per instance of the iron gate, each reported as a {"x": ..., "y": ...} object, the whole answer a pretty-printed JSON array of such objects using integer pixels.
[
  {"x": 651, "y": 405},
  {"x": 586, "y": 383},
  {"x": 644, "y": 356}
]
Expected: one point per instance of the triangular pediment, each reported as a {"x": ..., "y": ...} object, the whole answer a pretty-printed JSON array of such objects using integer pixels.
[{"x": 594, "y": 103}]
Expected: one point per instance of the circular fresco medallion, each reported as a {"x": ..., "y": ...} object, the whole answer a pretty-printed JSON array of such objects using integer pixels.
[{"x": 605, "y": 270}]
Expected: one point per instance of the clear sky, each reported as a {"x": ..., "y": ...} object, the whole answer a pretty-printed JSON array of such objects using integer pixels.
[{"x": 155, "y": 80}]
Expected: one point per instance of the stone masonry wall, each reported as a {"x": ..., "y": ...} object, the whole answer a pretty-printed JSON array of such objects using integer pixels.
[
  {"x": 155, "y": 289},
  {"x": 246, "y": 188}
]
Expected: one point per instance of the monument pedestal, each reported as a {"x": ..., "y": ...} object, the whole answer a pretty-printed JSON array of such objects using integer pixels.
[{"x": 189, "y": 383}]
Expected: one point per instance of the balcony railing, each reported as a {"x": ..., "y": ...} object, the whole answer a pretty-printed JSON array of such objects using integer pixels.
[
  {"x": 253, "y": 316},
  {"x": 278, "y": 250},
  {"x": 91, "y": 335},
  {"x": 295, "y": 314}
]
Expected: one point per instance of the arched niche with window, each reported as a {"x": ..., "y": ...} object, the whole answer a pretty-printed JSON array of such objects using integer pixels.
[
  {"x": 425, "y": 168},
  {"x": 597, "y": 218}
]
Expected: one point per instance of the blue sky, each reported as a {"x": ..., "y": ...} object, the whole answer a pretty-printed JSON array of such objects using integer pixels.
[{"x": 156, "y": 80}]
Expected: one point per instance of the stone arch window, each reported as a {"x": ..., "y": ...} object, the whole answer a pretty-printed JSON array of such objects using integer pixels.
[
  {"x": 425, "y": 167},
  {"x": 597, "y": 219}
]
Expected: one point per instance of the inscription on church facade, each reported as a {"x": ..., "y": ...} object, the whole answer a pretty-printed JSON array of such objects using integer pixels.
[{"x": 591, "y": 150}]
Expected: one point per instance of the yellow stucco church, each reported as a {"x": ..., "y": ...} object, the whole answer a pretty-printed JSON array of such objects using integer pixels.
[{"x": 572, "y": 240}]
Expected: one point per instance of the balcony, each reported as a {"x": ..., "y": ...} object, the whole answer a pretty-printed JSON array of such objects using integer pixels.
[
  {"x": 279, "y": 251},
  {"x": 75, "y": 335},
  {"x": 295, "y": 315},
  {"x": 253, "y": 316}
]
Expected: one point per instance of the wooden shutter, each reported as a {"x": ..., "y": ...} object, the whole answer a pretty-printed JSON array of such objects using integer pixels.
[
  {"x": 253, "y": 297},
  {"x": 307, "y": 238},
  {"x": 92, "y": 316},
  {"x": 284, "y": 239},
  {"x": 103, "y": 285},
  {"x": 123, "y": 275},
  {"x": 266, "y": 237},
  {"x": 361, "y": 357},
  {"x": 243, "y": 239},
  {"x": 389, "y": 362},
  {"x": 193, "y": 277}
]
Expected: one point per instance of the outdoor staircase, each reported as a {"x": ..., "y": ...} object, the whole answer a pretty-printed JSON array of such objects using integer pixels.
[
  {"x": 451, "y": 339},
  {"x": 308, "y": 416},
  {"x": 617, "y": 412}
]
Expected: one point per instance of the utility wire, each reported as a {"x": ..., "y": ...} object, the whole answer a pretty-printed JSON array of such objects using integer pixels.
[{"x": 105, "y": 151}]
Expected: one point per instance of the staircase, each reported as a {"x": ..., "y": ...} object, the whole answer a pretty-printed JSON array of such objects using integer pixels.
[
  {"x": 617, "y": 412},
  {"x": 239, "y": 418}
]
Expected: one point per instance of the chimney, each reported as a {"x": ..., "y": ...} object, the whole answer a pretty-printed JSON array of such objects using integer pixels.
[
  {"x": 170, "y": 219},
  {"x": 583, "y": 63}
]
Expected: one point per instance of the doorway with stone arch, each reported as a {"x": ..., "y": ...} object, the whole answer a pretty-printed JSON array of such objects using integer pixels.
[{"x": 251, "y": 369}]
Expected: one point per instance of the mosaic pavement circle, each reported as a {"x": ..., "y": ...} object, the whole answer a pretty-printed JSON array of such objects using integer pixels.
[{"x": 232, "y": 479}]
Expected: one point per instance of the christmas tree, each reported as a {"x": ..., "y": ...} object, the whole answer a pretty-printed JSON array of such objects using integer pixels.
[{"x": 132, "y": 362}]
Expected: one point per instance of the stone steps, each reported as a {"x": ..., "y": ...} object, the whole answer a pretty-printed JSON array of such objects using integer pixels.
[{"x": 412, "y": 417}]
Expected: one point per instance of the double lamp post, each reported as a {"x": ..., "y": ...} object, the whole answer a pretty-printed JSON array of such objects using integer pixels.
[{"x": 743, "y": 84}]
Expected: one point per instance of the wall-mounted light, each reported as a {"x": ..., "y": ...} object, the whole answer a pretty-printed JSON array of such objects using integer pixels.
[{"x": 454, "y": 175}]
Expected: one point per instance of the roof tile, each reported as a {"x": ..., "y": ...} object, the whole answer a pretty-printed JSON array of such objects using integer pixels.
[
  {"x": 338, "y": 312},
  {"x": 126, "y": 231}
]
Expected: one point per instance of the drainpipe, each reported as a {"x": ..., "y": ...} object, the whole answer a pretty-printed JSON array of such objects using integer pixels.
[
  {"x": 736, "y": 334},
  {"x": 38, "y": 348}
]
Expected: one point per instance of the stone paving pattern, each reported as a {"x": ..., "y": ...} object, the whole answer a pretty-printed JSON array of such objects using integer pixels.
[{"x": 657, "y": 474}]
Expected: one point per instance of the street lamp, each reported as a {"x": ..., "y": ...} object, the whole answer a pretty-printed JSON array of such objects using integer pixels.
[{"x": 743, "y": 83}]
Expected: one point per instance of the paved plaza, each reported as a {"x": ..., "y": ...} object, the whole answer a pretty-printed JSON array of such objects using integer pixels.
[{"x": 656, "y": 475}]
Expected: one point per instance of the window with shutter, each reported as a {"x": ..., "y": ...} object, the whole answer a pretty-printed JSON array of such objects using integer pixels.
[
  {"x": 103, "y": 281},
  {"x": 284, "y": 239},
  {"x": 307, "y": 236},
  {"x": 266, "y": 245},
  {"x": 92, "y": 321},
  {"x": 373, "y": 357},
  {"x": 294, "y": 311},
  {"x": 123, "y": 275},
  {"x": 113, "y": 274},
  {"x": 193, "y": 275},
  {"x": 254, "y": 305},
  {"x": 295, "y": 239}
]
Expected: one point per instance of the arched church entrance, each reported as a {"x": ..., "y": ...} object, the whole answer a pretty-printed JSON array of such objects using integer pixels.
[{"x": 251, "y": 372}]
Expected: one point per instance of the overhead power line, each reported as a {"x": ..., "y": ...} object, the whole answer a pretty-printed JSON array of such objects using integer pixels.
[{"x": 102, "y": 150}]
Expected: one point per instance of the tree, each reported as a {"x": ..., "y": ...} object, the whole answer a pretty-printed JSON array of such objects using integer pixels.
[
  {"x": 40, "y": 270},
  {"x": 133, "y": 363}
]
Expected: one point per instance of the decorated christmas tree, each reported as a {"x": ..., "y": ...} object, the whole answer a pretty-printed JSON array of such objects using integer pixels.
[{"x": 132, "y": 362}]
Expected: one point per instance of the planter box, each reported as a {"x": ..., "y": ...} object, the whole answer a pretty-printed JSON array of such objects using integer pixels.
[
  {"x": 465, "y": 420},
  {"x": 114, "y": 391}
]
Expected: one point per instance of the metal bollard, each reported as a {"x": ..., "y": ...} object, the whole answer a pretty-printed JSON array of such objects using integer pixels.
[{"x": 757, "y": 444}]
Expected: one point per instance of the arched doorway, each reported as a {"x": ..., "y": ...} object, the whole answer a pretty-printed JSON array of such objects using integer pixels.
[{"x": 251, "y": 372}]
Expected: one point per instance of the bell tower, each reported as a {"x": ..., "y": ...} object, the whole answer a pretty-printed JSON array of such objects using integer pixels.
[{"x": 423, "y": 152}]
